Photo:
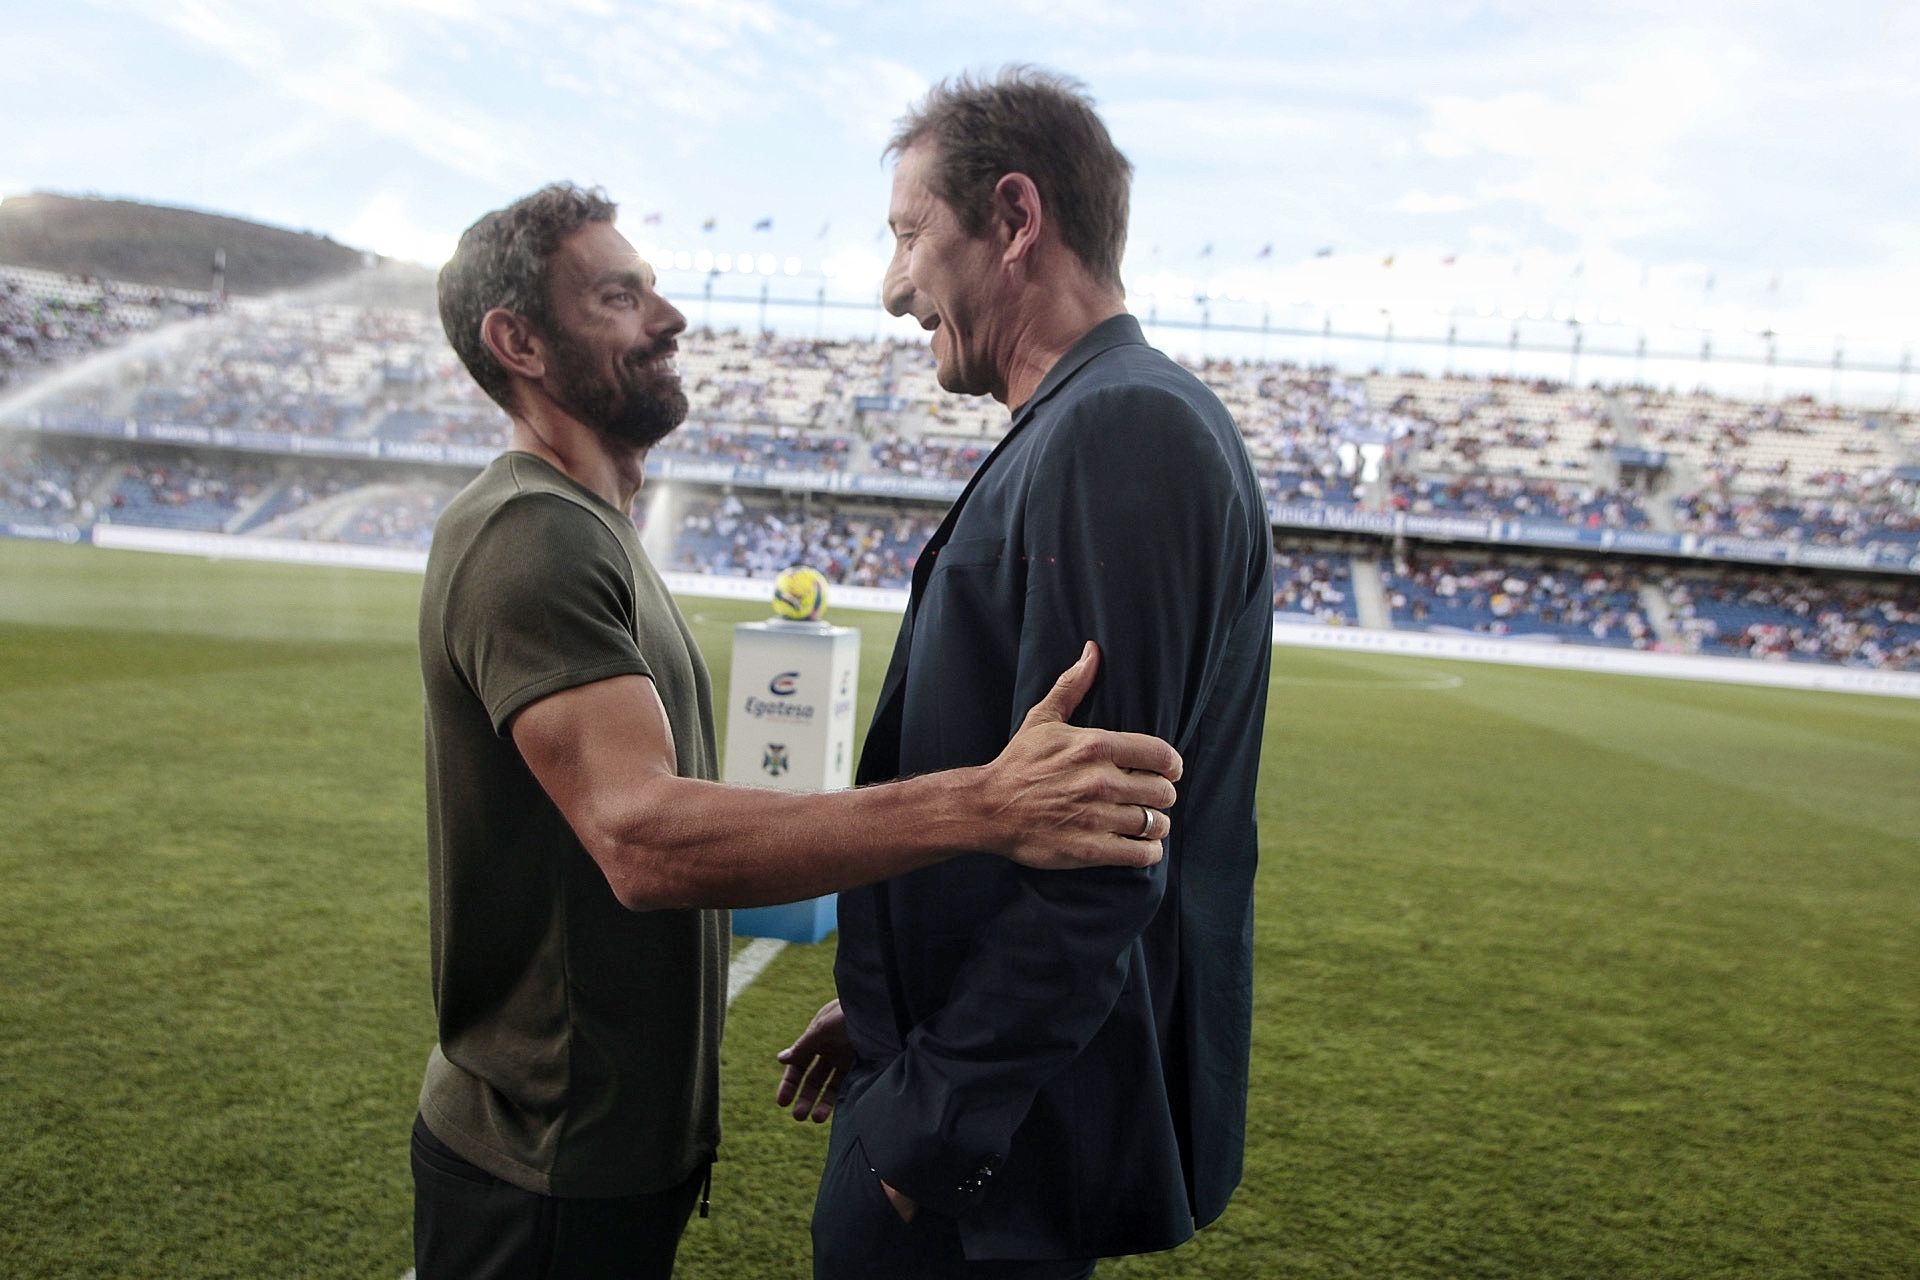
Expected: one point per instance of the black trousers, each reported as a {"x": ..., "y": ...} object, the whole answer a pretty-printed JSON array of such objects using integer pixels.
[
  {"x": 469, "y": 1225},
  {"x": 858, "y": 1235}
]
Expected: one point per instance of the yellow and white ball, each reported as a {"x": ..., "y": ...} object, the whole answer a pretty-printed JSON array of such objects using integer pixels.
[{"x": 800, "y": 594}]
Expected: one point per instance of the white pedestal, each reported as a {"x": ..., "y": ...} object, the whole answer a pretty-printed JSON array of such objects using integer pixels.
[{"x": 790, "y": 727}]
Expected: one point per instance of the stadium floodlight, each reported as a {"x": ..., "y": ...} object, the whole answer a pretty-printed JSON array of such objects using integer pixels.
[
  {"x": 743, "y": 263},
  {"x": 792, "y": 266},
  {"x": 723, "y": 262},
  {"x": 683, "y": 261},
  {"x": 703, "y": 260}
]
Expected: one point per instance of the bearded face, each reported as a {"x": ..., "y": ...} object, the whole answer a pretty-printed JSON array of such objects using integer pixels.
[{"x": 635, "y": 399}]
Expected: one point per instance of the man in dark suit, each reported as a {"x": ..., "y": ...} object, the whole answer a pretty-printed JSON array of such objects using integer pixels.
[{"x": 1034, "y": 1072}]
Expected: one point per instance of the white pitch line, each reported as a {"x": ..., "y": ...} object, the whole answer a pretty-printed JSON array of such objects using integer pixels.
[{"x": 748, "y": 965}]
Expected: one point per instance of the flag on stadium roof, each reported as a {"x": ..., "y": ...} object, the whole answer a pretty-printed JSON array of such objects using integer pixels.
[
  {"x": 1387, "y": 261},
  {"x": 1449, "y": 260},
  {"x": 1266, "y": 250},
  {"x": 710, "y": 224},
  {"x": 765, "y": 224},
  {"x": 1207, "y": 251},
  {"x": 824, "y": 228},
  {"x": 1324, "y": 251},
  {"x": 652, "y": 219}
]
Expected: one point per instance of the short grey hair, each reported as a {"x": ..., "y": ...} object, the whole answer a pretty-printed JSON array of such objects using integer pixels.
[
  {"x": 502, "y": 261},
  {"x": 1032, "y": 121}
]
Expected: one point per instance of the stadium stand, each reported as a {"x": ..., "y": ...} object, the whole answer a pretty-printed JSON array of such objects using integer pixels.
[
  {"x": 1589, "y": 506},
  {"x": 1313, "y": 587},
  {"x": 47, "y": 319},
  {"x": 863, "y": 546},
  {"x": 1496, "y": 426},
  {"x": 1787, "y": 617},
  {"x": 353, "y": 422},
  {"x": 1520, "y": 597}
]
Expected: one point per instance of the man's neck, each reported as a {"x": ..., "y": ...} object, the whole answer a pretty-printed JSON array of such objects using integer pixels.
[
  {"x": 611, "y": 471},
  {"x": 1061, "y": 318}
]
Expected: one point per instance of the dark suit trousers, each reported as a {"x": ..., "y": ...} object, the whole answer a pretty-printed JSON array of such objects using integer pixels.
[
  {"x": 469, "y": 1225},
  {"x": 858, "y": 1235}
]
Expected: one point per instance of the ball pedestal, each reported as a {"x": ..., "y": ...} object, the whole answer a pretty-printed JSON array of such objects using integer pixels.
[{"x": 790, "y": 727}]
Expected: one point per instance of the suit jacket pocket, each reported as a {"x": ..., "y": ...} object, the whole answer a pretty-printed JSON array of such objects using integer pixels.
[{"x": 968, "y": 551}]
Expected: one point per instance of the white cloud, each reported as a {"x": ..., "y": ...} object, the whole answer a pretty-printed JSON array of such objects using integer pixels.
[
  {"x": 352, "y": 80},
  {"x": 387, "y": 224},
  {"x": 1423, "y": 202}
]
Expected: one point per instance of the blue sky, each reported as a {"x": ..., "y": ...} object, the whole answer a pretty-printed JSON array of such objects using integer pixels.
[{"x": 1725, "y": 166}]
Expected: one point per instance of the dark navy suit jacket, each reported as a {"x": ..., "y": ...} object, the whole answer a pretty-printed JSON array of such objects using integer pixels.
[{"x": 1060, "y": 1059}]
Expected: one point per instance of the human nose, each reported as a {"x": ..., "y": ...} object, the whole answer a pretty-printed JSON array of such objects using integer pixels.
[
  {"x": 896, "y": 291},
  {"x": 668, "y": 322}
]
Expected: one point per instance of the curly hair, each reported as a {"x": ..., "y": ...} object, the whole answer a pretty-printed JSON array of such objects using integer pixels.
[
  {"x": 1032, "y": 121},
  {"x": 501, "y": 261}
]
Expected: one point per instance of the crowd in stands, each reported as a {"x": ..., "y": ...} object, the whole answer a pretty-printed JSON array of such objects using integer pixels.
[
  {"x": 180, "y": 491},
  {"x": 1294, "y": 419},
  {"x": 396, "y": 516},
  {"x": 1497, "y": 425},
  {"x": 1791, "y": 618},
  {"x": 1841, "y": 510},
  {"x": 1740, "y": 444},
  {"x": 284, "y": 370},
  {"x": 1586, "y": 505},
  {"x": 929, "y": 456},
  {"x": 772, "y": 448},
  {"x": 48, "y": 319},
  {"x": 39, "y": 486},
  {"x": 1793, "y": 471},
  {"x": 1593, "y": 603},
  {"x": 1313, "y": 586},
  {"x": 725, "y": 534}
]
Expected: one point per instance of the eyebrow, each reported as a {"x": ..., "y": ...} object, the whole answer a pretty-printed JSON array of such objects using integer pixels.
[{"x": 624, "y": 275}]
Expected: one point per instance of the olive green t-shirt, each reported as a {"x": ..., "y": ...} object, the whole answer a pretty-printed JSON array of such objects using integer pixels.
[{"x": 579, "y": 1042}]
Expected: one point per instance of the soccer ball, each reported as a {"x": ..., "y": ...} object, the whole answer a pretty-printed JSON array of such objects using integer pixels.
[{"x": 800, "y": 594}]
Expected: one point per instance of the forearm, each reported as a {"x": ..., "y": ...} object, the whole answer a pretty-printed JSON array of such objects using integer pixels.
[{"x": 680, "y": 842}]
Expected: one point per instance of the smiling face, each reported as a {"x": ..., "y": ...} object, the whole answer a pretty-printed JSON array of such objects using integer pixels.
[
  {"x": 614, "y": 337},
  {"x": 945, "y": 279}
]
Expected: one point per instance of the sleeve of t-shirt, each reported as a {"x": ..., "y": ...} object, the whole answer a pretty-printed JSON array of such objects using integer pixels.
[{"x": 540, "y": 602}]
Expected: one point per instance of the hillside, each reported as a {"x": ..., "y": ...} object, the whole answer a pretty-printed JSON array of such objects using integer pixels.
[{"x": 155, "y": 244}]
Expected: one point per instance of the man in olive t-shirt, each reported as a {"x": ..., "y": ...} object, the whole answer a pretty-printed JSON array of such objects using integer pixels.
[
  {"x": 537, "y": 585},
  {"x": 580, "y": 855}
]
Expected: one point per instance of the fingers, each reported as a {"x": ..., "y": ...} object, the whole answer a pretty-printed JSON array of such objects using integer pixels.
[
  {"x": 1127, "y": 820},
  {"x": 812, "y": 1093},
  {"x": 1140, "y": 751},
  {"x": 1119, "y": 851},
  {"x": 1068, "y": 690},
  {"x": 789, "y": 1082},
  {"x": 1148, "y": 789}
]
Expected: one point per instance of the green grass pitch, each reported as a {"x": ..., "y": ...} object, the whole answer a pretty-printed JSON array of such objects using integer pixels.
[{"x": 1560, "y": 975}]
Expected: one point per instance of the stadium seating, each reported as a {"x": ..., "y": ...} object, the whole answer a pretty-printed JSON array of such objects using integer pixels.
[
  {"x": 1520, "y": 598},
  {"x": 221, "y": 419},
  {"x": 1589, "y": 506},
  {"x": 1313, "y": 587},
  {"x": 1799, "y": 619},
  {"x": 863, "y": 546}
]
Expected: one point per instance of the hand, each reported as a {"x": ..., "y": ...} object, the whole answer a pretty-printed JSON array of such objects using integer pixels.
[
  {"x": 816, "y": 1063},
  {"x": 1061, "y": 797},
  {"x": 901, "y": 1202}
]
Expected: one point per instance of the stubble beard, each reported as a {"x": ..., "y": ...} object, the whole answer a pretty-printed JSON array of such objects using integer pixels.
[{"x": 638, "y": 411}]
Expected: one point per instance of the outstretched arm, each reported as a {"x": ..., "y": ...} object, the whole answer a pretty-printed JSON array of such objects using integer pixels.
[{"x": 1057, "y": 797}]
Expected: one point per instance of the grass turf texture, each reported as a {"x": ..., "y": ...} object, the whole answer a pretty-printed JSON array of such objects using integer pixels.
[{"x": 1559, "y": 974}]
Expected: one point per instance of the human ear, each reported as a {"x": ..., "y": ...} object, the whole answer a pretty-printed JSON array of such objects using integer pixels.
[
  {"x": 1018, "y": 215},
  {"x": 511, "y": 339}
]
